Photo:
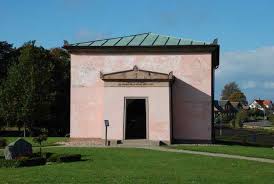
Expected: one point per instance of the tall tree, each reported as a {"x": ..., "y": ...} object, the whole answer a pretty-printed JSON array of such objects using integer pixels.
[
  {"x": 27, "y": 93},
  {"x": 229, "y": 89},
  {"x": 59, "y": 125},
  {"x": 238, "y": 97},
  {"x": 7, "y": 57}
]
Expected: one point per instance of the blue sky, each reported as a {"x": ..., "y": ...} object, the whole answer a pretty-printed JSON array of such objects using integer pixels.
[{"x": 244, "y": 29}]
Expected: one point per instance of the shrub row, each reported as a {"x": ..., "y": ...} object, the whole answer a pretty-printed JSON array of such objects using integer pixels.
[
  {"x": 22, "y": 162},
  {"x": 64, "y": 158}
]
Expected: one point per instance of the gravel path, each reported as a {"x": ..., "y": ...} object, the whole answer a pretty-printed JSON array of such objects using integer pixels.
[{"x": 265, "y": 160}]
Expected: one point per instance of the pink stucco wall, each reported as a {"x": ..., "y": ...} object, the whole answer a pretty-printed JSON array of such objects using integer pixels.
[
  {"x": 158, "y": 110},
  {"x": 191, "y": 92}
]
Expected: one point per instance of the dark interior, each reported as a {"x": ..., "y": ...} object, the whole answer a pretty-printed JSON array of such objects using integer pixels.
[{"x": 135, "y": 119}]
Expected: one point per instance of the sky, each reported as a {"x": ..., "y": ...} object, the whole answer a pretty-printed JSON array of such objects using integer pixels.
[{"x": 244, "y": 30}]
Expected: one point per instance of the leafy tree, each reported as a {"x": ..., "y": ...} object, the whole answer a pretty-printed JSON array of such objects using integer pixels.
[
  {"x": 39, "y": 139},
  {"x": 27, "y": 93},
  {"x": 238, "y": 97},
  {"x": 7, "y": 57},
  {"x": 229, "y": 89},
  {"x": 36, "y": 90},
  {"x": 59, "y": 125},
  {"x": 241, "y": 117},
  {"x": 271, "y": 118}
]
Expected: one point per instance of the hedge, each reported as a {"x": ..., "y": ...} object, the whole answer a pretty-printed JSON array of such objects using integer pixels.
[
  {"x": 64, "y": 158},
  {"x": 22, "y": 162}
]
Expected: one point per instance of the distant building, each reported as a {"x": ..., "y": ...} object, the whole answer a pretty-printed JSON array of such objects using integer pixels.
[{"x": 261, "y": 105}]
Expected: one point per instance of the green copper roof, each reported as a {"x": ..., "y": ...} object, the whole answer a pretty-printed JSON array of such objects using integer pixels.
[{"x": 144, "y": 39}]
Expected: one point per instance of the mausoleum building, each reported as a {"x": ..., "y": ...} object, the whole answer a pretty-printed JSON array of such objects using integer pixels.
[{"x": 148, "y": 86}]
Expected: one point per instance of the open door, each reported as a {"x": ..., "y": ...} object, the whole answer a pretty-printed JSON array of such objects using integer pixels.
[{"x": 135, "y": 121}]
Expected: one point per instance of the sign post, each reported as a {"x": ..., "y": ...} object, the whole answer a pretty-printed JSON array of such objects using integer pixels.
[{"x": 106, "y": 136}]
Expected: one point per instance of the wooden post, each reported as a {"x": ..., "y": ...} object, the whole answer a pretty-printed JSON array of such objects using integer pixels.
[{"x": 106, "y": 137}]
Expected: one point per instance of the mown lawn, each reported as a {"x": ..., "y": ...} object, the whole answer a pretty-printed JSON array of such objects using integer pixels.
[
  {"x": 51, "y": 141},
  {"x": 125, "y": 165},
  {"x": 249, "y": 151}
]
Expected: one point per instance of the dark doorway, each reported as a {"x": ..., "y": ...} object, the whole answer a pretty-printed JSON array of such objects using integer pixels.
[{"x": 135, "y": 119}]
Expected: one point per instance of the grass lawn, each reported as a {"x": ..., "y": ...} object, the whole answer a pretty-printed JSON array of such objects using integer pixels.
[
  {"x": 232, "y": 149},
  {"x": 125, "y": 165},
  {"x": 51, "y": 141}
]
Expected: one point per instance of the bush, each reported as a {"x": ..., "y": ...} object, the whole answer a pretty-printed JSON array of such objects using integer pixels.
[
  {"x": 271, "y": 118},
  {"x": 64, "y": 158},
  {"x": 241, "y": 117},
  {"x": 45, "y": 155},
  {"x": 33, "y": 161},
  {"x": 22, "y": 162},
  {"x": 3, "y": 142},
  {"x": 9, "y": 163}
]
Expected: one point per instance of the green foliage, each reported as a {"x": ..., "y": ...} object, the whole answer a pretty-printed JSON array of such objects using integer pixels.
[
  {"x": 255, "y": 114},
  {"x": 64, "y": 158},
  {"x": 22, "y": 162},
  {"x": 33, "y": 161},
  {"x": 9, "y": 163},
  {"x": 238, "y": 97},
  {"x": 241, "y": 117},
  {"x": 229, "y": 89},
  {"x": 7, "y": 57},
  {"x": 36, "y": 89},
  {"x": 271, "y": 118},
  {"x": 39, "y": 139},
  {"x": 3, "y": 142}
]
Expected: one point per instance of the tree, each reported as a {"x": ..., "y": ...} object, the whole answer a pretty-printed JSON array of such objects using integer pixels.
[
  {"x": 229, "y": 89},
  {"x": 238, "y": 97},
  {"x": 27, "y": 94},
  {"x": 241, "y": 117},
  {"x": 39, "y": 139},
  {"x": 7, "y": 57},
  {"x": 59, "y": 125}
]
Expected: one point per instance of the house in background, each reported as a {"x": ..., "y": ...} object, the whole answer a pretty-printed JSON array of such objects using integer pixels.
[
  {"x": 227, "y": 109},
  {"x": 149, "y": 86},
  {"x": 261, "y": 105}
]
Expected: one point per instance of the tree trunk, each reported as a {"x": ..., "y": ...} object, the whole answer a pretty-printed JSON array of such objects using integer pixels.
[
  {"x": 24, "y": 129},
  {"x": 40, "y": 149}
]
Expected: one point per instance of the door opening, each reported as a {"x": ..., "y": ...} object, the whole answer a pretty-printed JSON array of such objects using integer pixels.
[{"x": 135, "y": 122}]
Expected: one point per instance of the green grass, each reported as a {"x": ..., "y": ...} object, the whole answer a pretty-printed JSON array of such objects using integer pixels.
[
  {"x": 124, "y": 165},
  {"x": 232, "y": 149},
  {"x": 51, "y": 141}
]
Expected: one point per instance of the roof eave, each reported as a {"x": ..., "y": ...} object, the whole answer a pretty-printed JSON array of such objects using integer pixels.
[{"x": 210, "y": 48}]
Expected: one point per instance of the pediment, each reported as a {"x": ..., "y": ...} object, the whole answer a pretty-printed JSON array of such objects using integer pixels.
[{"x": 136, "y": 74}]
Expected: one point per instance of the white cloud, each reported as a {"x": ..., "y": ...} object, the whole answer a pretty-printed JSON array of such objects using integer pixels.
[
  {"x": 253, "y": 70},
  {"x": 249, "y": 84},
  {"x": 253, "y": 62},
  {"x": 269, "y": 85}
]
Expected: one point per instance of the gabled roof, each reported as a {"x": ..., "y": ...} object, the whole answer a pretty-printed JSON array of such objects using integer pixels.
[
  {"x": 217, "y": 107},
  {"x": 267, "y": 102},
  {"x": 138, "y": 40},
  {"x": 222, "y": 103},
  {"x": 137, "y": 74}
]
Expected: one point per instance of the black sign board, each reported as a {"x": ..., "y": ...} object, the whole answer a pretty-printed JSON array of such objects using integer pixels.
[{"x": 106, "y": 123}]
